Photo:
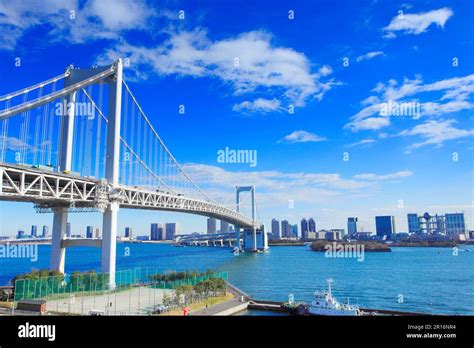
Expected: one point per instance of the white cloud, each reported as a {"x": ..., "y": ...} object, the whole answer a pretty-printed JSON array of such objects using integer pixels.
[
  {"x": 435, "y": 133},
  {"x": 301, "y": 136},
  {"x": 276, "y": 188},
  {"x": 417, "y": 23},
  {"x": 456, "y": 93},
  {"x": 385, "y": 177},
  {"x": 259, "y": 105},
  {"x": 362, "y": 142},
  {"x": 370, "y": 123},
  {"x": 121, "y": 14},
  {"x": 325, "y": 70},
  {"x": 94, "y": 19},
  {"x": 247, "y": 62},
  {"x": 369, "y": 55}
]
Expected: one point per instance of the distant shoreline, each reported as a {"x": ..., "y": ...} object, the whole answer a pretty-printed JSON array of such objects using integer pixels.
[
  {"x": 287, "y": 244},
  {"x": 421, "y": 244},
  {"x": 48, "y": 242},
  {"x": 368, "y": 246},
  {"x": 425, "y": 244}
]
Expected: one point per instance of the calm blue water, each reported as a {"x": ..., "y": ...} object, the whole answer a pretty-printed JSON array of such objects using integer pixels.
[{"x": 429, "y": 279}]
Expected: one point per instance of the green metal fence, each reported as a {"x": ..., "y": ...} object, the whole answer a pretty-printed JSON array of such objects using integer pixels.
[{"x": 62, "y": 286}]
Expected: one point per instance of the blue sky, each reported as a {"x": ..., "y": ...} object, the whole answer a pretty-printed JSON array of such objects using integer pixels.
[{"x": 337, "y": 64}]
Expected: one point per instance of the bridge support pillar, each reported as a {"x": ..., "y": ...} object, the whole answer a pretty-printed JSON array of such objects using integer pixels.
[
  {"x": 58, "y": 253},
  {"x": 109, "y": 242},
  {"x": 109, "y": 225},
  {"x": 250, "y": 189}
]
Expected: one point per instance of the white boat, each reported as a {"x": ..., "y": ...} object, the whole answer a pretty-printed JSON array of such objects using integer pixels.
[{"x": 325, "y": 304}]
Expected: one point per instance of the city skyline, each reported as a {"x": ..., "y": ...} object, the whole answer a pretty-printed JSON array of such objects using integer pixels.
[{"x": 337, "y": 155}]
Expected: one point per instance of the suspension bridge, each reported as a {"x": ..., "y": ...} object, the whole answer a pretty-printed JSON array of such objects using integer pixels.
[{"x": 80, "y": 142}]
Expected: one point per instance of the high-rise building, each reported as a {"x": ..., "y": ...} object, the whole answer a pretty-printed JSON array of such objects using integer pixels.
[
  {"x": 156, "y": 232},
  {"x": 276, "y": 229},
  {"x": 304, "y": 229},
  {"x": 161, "y": 232},
  {"x": 352, "y": 226},
  {"x": 385, "y": 226},
  {"x": 128, "y": 232},
  {"x": 97, "y": 233},
  {"x": 311, "y": 225},
  {"x": 45, "y": 231},
  {"x": 413, "y": 223},
  {"x": 286, "y": 229},
  {"x": 224, "y": 226},
  {"x": 34, "y": 231},
  {"x": 172, "y": 230},
  {"x": 90, "y": 232},
  {"x": 20, "y": 234},
  {"x": 455, "y": 224},
  {"x": 294, "y": 231},
  {"x": 211, "y": 226},
  {"x": 68, "y": 229}
]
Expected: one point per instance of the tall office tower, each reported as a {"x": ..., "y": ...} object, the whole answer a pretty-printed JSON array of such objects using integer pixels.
[
  {"x": 172, "y": 230},
  {"x": 311, "y": 225},
  {"x": 34, "y": 231},
  {"x": 20, "y": 234},
  {"x": 455, "y": 223},
  {"x": 128, "y": 232},
  {"x": 211, "y": 226},
  {"x": 276, "y": 229},
  {"x": 154, "y": 231},
  {"x": 294, "y": 229},
  {"x": 45, "y": 231},
  {"x": 224, "y": 226},
  {"x": 304, "y": 229},
  {"x": 157, "y": 232},
  {"x": 413, "y": 223},
  {"x": 352, "y": 226},
  {"x": 90, "y": 232},
  {"x": 286, "y": 229},
  {"x": 385, "y": 226},
  {"x": 68, "y": 229}
]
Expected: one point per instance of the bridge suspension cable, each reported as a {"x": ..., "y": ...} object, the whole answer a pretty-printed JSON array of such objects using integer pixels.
[
  {"x": 171, "y": 167},
  {"x": 129, "y": 148}
]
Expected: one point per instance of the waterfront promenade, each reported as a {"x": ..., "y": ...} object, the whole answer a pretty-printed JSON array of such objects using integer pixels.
[{"x": 225, "y": 308}]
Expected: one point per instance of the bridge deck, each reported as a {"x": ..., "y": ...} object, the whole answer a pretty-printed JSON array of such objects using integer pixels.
[{"x": 49, "y": 188}]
